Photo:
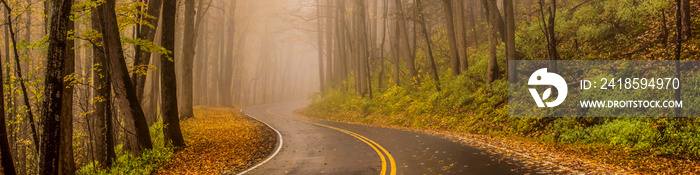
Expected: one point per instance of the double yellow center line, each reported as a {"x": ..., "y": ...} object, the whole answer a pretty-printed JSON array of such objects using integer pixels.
[{"x": 378, "y": 148}]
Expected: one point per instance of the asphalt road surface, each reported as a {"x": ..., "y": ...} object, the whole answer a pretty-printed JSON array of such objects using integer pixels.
[{"x": 312, "y": 146}]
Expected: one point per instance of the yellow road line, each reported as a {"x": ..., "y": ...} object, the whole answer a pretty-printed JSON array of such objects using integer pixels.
[{"x": 369, "y": 142}]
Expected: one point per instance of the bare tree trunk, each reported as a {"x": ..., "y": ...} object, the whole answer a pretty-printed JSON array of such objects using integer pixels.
[
  {"x": 473, "y": 21},
  {"x": 227, "y": 62},
  {"x": 510, "y": 40},
  {"x": 322, "y": 79},
  {"x": 187, "y": 61},
  {"x": 436, "y": 78},
  {"x": 51, "y": 111},
  {"x": 410, "y": 60},
  {"x": 460, "y": 34},
  {"x": 396, "y": 42},
  {"x": 66, "y": 161},
  {"x": 381, "y": 47},
  {"x": 549, "y": 33},
  {"x": 169, "y": 111},
  {"x": 329, "y": 45},
  {"x": 492, "y": 69},
  {"x": 454, "y": 55},
  {"x": 342, "y": 62},
  {"x": 125, "y": 91},
  {"x": 685, "y": 19}
]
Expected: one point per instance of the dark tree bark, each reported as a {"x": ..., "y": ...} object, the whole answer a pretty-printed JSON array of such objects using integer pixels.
[
  {"x": 169, "y": 86},
  {"x": 492, "y": 68},
  {"x": 449, "y": 25},
  {"x": 102, "y": 115},
  {"x": 51, "y": 110},
  {"x": 436, "y": 78},
  {"x": 677, "y": 60},
  {"x": 125, "y": 91},
  {"x": 188, "y": 47},
  {"x": 66, "y": 162},
  {"x": 510, "y": 40},
  {"x": 142, "y": 57},
  {"x": 685, "y": 19}
]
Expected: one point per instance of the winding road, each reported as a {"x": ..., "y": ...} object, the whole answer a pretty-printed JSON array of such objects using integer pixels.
[{"x": 312, "y": 146}]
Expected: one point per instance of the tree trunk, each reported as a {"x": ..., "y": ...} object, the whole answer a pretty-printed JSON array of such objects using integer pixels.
[
  {"x": 322, "y": 79},
  {"x": 410, "y": 60},
  {"x": 396, "y": 42},
  {"x": 142, "y": 57},
  {"x": 685, "y": 19},
  {"x": 66, "y": 161},
  {"x": 8, "y": 165},
  {"x": 187, "y": 61},
  {"x": 460, "y": 34},
  {"x": 449, "y": 25},
  {"x": 492, "y": 68},
  {"x": 329, "y": 45},
  {"x": 225, "y": 68},
  {"x": 51, "y": 111},
  {"x": 125, "y": 92},
  {"x": 104, "y": 148},
  {"x": 168, "y": 96},
  {"x": 549, "y": 33},
  {"x": 18, "y": 70},
  {"x": 436, "y": 78},
  {"x": 510, "y": 40}
]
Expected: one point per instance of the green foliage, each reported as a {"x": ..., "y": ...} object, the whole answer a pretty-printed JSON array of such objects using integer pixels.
[
  {"x": 148, "y": 162},
  {"x": 612, "y": 30}
]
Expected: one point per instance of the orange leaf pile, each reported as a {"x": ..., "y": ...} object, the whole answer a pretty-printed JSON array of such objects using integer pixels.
[{"x": 219, "y": 140}]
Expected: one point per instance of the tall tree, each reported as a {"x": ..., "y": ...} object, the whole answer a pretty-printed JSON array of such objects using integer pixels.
[
  {"x": 125, "y": 91},
  {"x": 102, "y": 114},
  {"x": 449, "y": 25},
  {"x": 169, "y": 86},
  {"x": 492, "y": 68},
  {"x": 51, "y": 110},
  {"x": 141, "y": 56},
  {"x": 322, "y": 79},
  {"x": 685, "y": 19},
  {"x": 66, "y": 162},
  {"x": 18, "y": 71},
  {"x": 329, "y": 44},
  {"x": 396, "y": 46},
  {"x": 228, "y": 59},
  {"x": 188, "y": 47},
  {"x": 510, "y": 40},
  {"x": 403, "y": 33},
  {"x": 433, "y": 67},
  {"x": 549, "y": 32},
  {"x": 460, "y": 34},
  {"x": 8, "y": 165}
]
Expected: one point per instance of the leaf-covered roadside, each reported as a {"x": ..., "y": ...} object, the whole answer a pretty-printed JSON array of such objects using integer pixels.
[{"x": 219, "y": 140}]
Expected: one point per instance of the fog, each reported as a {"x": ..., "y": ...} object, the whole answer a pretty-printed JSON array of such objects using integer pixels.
[{"x": 271, "y": 57}]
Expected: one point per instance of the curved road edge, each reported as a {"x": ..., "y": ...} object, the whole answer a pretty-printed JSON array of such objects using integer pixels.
[{"x": 279, "y": 143}]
